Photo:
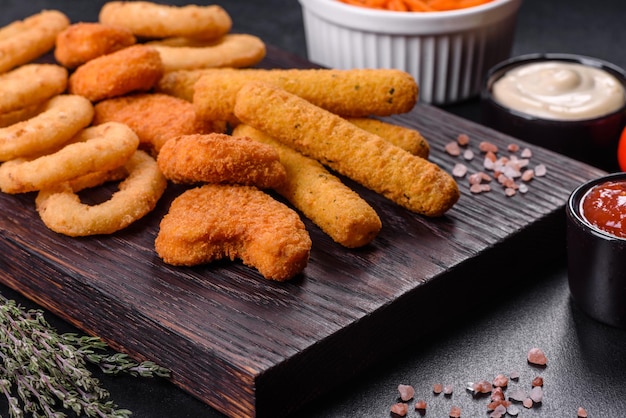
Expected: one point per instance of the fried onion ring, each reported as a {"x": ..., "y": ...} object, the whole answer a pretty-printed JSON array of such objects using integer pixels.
[
  {"x": 31, "y": 84},
  {"x": 84, "y": 41},
  {"x": 150, "y": 20},
  {"x": 135, "y": 68},
  {"x": 61, "y": 119},
  {"x": 236, "y": 50},
  {"x": 25, "y": 40},
  {"x": 62, "y": 211},
  {"x": 105, "y": 147}
]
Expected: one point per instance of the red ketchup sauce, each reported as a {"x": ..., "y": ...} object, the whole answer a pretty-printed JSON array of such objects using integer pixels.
[{"x": 604, "y": 206}]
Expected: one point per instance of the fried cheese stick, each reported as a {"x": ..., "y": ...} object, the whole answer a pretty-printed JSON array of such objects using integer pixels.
[
  {"x": 350, "y": 93},
  {"x": 408, "y": 139},
  {"x": 335, "y": 208},
  {"x": 410, "y": 181}
]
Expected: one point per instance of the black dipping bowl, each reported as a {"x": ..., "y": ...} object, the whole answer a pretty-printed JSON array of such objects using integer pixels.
[
  {"x": 596, "y": 262},
  {"x": 593, "y": 141}
]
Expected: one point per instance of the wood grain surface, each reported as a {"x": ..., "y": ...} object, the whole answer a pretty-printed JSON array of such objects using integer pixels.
[{"x": 252, "y": 347}]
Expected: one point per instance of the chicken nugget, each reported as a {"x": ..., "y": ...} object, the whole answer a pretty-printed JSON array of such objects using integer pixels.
[
  {"x": 151, "y": 20},
  {"x": 132, "y": 69},
  {"x": 155, "y": 118},
  {"x": 350, "y": 93},
  {"x": 221, "y": 158},
  {"x": 410, "y": 181},
  {"x": 84, "y": 41},
  {"x": 338, "y": 210},
  {"x": 236, "y": 50},
  {"x": 25, "y": 40},
  {"x": 213, "y": 221}
]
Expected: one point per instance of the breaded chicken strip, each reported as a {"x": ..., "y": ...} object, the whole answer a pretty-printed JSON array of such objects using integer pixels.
[
  {"x": 212, "y": 222},
  {"x": 155, "y": 118},
  {"x": 354, "y": 93},
  {"x": 221, "y": 158},
  {"x": 408, "y": 180},
  {"x": 338, "y": 210}
]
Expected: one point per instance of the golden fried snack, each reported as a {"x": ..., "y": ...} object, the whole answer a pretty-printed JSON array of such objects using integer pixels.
[
  {"x": 61, "y": 210},
  {"x": 105, "y": 147},
  {"x": 221, "y": 158},
  {"x": 410, "y": 181},
  {"x": 350, "y": 93},
  {"x": 30, "y": 84},
  {"x": 151, "y": 20},
  {"x": 133, "y": 69},
  {"x": 155, "y": 118},
  {"x": 84, "y": 41},
  {"x": 179, "y": 83},
  {"x": 19, "y": 115},
  {"x": 214, "y": 221},
  {"x": 338, "y": 210},
  {"x": 26, "y": 40},
  {"x": 61, "y": 118},
  {"x": 235, "y": 50},
  {"x": 408, "y": 139}
]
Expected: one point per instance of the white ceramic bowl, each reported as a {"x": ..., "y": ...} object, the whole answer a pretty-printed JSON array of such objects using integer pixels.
[{"x": 448, "y": 52}]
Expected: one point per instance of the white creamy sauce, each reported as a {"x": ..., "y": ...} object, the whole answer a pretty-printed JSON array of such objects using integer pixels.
[{"x": 559, "y": 90}]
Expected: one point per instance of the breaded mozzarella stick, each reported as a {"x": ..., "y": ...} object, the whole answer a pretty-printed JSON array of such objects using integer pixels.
[{"x": 410, "y": 181}]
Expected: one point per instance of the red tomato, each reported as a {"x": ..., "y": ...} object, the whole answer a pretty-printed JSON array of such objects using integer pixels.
[{"x": 621, "y": 151}]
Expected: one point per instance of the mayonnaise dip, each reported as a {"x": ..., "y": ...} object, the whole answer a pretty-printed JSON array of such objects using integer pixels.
[{"x": 559, "y": 90}]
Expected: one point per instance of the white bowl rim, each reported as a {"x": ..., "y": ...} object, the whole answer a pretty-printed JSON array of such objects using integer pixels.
[{"x": 410, "y": 23}]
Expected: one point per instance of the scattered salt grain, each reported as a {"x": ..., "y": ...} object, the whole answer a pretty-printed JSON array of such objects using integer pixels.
[
  {"x": 453, "y": 149},
  {"x": 536, "y": 356},
  {"x": 486, "y": 146},
  {"x": 536, "y": 394},
  {"x": 528, "y": 175},
  {"x": 512, "y": 410},
  {"x": 537, "y": 381},
  {"x": 498, "y": 412},
  {"x": 459, "y": 170},
  {"x": 500, "y": 381},
  {"x": 522, "y": 188},
  {"x": 582, "y": 412},
  {"x": 482, "y": 386},
  {"x": 437, "y": 388},
  {"x": 517, "y": 394},
  {"x": 497, "y": 394},
  {"x": 510, "y": 191},
  {"x": 400, "y": 409},
  {"x": 514, "y": 375},
  {"x": 468, "y": 154},
  {"x": 526, "y": 153},
  {"x": 512, "y": 147},
  {"x": 406, "y": 392},
  {"x": 528, "y": 403},
  {"x": 462, "y": 139},
  {"x": 448, "y": 389},
  {"x": 420, "y": 405},
  {"x": 540, "y": 170},
  {"x": 455, "y": 412}
]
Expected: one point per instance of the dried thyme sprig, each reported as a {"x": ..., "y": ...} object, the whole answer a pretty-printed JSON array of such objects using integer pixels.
[{"x": 45, "y": 374}]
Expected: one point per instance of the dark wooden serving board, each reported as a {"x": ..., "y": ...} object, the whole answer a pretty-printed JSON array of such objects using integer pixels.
[{"x": 252, "y": 347}]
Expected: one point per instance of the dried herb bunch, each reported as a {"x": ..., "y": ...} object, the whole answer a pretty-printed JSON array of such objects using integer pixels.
[{"x": 45, "y": 374}]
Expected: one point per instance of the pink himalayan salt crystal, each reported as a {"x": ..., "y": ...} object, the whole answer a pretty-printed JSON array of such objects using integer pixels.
[
  {"x": 512, "y": 147},
  {"x": 453, "y": 149},
  {"x": 582, "y": 412},
  {"x": 468, "y": 155},
  {"x": 537, "y": 381},
  {"x": 492, "y": 406},
  {"x": 536, "y": 394},
  {"x": 528, "y": 403},
  {"x": 406, "y": 392},
  {"x": 517, "y": 394},
  {"x": 486, "y": 146},
  {"x": 448, "y": 389},
  {"x": 540, "y": 170},
  {"x": 459, "y": 170},
  {"x": 455, "y": 412},
  {"x": 420, "y": 405},
  {"x": 400, "y": 409},
  {"x": 514, "y": 375},
  {"x": 498, "y": 412},
  {"x": 437, "y": 388},
  {"x": 512, "y": 410},
  {"x": 537, "y": 356},
  {"x": 463, "y": 139},
  {"x": 500, "y": 381},
  {"x": 482, "y": 386},
  {"x": 497, "y": 394},
  {"x": 526, "y": 153}
]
